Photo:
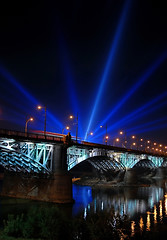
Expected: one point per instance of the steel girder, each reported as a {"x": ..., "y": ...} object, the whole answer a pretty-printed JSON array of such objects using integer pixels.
[{"x": 26, "y": 156}]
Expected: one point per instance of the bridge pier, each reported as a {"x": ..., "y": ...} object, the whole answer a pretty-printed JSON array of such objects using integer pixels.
[
  {"x": 160, "y": 172},
  {"x": 56, "y": 187},
  {"x": 130, "y": 176}
]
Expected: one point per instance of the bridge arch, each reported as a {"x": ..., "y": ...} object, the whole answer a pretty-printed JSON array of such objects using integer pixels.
[
  {"x": 144, "y": 163},
  {"x": 98, "y": 166}
]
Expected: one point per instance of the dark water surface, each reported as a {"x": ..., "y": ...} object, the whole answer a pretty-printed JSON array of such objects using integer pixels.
[{"x": 146, "y": 206}]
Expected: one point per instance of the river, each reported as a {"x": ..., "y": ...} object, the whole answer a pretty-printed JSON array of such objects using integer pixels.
[{"x": 146, "y": 206}]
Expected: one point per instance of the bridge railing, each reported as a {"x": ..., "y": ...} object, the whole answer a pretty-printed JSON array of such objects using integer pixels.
[{"x": 12, "y": 133}]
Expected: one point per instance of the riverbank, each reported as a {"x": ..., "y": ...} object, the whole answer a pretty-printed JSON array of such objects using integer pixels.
[{"x": 102, "y": 183}]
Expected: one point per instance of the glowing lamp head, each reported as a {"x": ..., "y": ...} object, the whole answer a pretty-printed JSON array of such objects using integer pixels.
[
  {"x": 31, "y": 119},
  {"x": 101, "y": 126},
  {"x": 121, "y": 133},
  {"x": 71, "y": 117},
  {"x": 91, "y": 133},
  {"x": 133, "y": 137},
  {"x": 107, "y": 137},
  {"x": 67, "y": 127},
  {"x": 117, "y": 139},
  {"x": 39, "y": 107},
  {"x": 134, "y": 144}
]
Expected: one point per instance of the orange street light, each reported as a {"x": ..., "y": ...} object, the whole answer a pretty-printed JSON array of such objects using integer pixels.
[
  {"x": 91, "y": 133},
  {"x": 28, "y": 120},
  {"x": 72, "y": 117},
  {"x": 39, "y": 108},
  {"x": 67, "y": 128}
]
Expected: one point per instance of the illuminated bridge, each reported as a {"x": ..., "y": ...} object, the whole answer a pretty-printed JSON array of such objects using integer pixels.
[{"x": 50, "y": 157}]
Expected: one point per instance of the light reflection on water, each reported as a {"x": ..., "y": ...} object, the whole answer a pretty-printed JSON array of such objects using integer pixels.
[{"x": 145, "y": 206}]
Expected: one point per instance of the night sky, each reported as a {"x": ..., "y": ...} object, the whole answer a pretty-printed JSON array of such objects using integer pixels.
[{"x": 105, "y": 61}]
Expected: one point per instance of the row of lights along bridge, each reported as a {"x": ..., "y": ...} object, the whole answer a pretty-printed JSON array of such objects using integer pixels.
[{"x": 131, "y": 142}]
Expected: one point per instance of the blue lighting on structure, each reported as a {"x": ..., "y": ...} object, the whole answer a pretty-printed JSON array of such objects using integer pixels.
[
  {"x": 82, "y": 196},
  {"x": 110, "y": 63}
]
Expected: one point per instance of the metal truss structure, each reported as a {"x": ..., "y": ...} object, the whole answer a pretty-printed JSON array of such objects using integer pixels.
[
  {"x": 26, "y": 156},
  {"x": 120, "y": 160}
]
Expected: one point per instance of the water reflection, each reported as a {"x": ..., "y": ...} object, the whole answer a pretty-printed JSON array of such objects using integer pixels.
[
  {"x": 145, "y": 206},
  {"x": 148, "y": 223},
  {"x": 82, "y": 196},
  {"x": 123, "y": 201},
  {"x": 155, "y": 214},
  {"x": 141, "y": 224}
]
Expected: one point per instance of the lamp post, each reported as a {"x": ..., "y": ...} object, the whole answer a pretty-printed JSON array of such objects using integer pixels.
[
  {"x": 72, "y": 117},
  {"x": 91, "y": 133},
  {"x": 106, "y": 136},
  {"x": 40, "y": 107},
  {"x": 125, "y": 140},
  {"x": 28, "y": 120},
  {"x": 116, "y": 141}
]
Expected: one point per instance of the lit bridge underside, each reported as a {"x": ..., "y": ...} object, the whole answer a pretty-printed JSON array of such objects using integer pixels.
[
  {"x": 26, "y": 156},
  {"x": 111, "y": 159},
  {"x": 36, "y": 156}
]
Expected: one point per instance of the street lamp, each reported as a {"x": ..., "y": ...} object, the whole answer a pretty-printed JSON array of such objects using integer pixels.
[
  {"x": 125, "y": 140},
  {"x": 67, "y": 127},
  {"x": 106, "y": 137},
  {"x": 28, "y": 120},
  {"x": 40, "y": 107},
  {"x": 116, "y": 141},
  {"x": 91, "y": 133},
  {"x": 72, "y": 117}
]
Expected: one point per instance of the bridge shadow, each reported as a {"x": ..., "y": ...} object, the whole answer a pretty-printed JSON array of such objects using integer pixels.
[{"x": 101, "y": 167}]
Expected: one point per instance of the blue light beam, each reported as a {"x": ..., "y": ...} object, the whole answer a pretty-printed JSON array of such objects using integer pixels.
[
  {"x": 23, "y": 91},
  {"x": 66, "y": 69},
  {"x": 146, "y": 125},
  {"x": 136, "y": 86},
  {"x": 138, "y": 113},
  {"x": 110, "y": 62}
]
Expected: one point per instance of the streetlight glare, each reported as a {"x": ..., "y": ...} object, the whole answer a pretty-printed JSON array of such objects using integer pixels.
[
  {"x": 40, "y": 107},
  {"x": 91, "y": 133},
  {"x": 67, "y": 127},
  {"x": 76, "y": 123},
  {"x": 31, "y": 119}
]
